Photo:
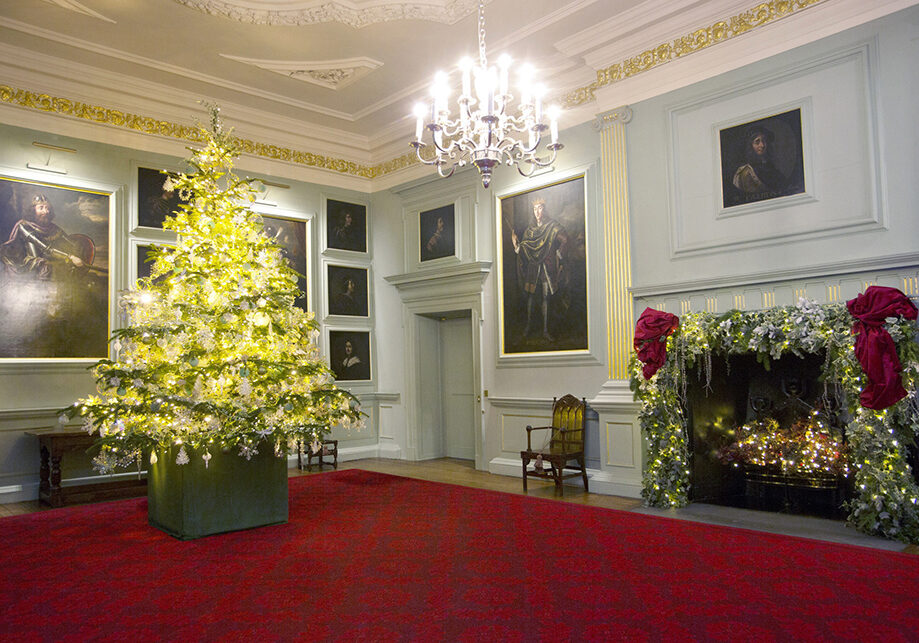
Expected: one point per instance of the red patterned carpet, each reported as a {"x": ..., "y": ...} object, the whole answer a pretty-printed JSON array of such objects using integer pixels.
[{"x": 371, "y": 557}]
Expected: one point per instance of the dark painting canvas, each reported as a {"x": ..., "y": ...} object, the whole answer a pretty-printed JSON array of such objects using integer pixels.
[
  {"x": 347, "y": 291},
  {"x": 290, "y": 234},
  {"x": 54, "y": 271},
  {"x": 346, "y": 226},
  {"x": 436, "y": 229},
  {"x": 155, "y": 198},
  {"x": 349, "y": 354},
  {"x": 544, "y": 269},
  {"x": 762, "y": 159}
]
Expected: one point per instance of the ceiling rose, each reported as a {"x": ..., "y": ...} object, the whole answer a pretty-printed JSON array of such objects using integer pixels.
[
  {"x": 332, "y": 74},
  {"x": 354, "y": 13}
]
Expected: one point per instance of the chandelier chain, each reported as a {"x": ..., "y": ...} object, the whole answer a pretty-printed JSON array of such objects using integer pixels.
[{"x": 482, "y": 59}]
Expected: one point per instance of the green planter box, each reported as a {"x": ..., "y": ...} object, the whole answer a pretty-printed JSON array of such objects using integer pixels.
[{"x": 190, "y": 500}]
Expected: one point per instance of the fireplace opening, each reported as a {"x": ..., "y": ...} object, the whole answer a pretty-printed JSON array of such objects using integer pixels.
[{"x": 771, "y": 439}]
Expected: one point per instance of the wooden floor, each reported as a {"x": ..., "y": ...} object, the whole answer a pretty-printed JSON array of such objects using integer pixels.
[
  {"x": 463, "y": 473},
  {"x": 458, "y": 472}
]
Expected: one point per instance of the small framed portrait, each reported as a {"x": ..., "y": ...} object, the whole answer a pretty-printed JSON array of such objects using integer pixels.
[
  {"x": 144, "y": 253},
  {"x": 349, "y": 354},
  {"x": 346, "y": 226},
  {"x": 348, "y": 293},
  {"x": 290, "y": 235},
  {"x": 156, "y": 199},
  {"x": 543, "y": 269},
  {"x": 762, "y": 159},
  {"x": 437, "y": 233},
  {"x": 145, "y": 258},
  {"x": 54, "y": 270}
]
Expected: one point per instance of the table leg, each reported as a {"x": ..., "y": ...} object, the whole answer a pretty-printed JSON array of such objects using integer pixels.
[
  {"x": 55, "y": 492},
  {"x": 44, "y": 473}
]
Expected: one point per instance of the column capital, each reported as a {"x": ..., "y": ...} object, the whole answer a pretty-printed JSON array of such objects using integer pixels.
[{"x": 605, "y": 120}]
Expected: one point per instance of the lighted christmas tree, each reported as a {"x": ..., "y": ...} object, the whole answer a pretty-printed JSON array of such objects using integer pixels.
[{"x": 215, "y": 354}]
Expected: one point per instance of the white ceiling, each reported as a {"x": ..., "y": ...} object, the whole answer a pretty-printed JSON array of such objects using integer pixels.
[{"x": 341, "y": 76}]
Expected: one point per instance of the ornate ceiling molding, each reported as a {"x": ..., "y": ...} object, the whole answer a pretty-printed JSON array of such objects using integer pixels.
[
  {"x": 762, "y": 14},
  {"x": 79, "y": 7},
  {"x": 332, "y": 74},
  {"x": 149, "y": 125},
  {"x": 697, "y": 40},
  {"x": 354, "y": 13}
]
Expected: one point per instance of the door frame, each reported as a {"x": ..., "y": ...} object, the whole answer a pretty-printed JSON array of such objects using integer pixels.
[{"x": 460, "y": 290}]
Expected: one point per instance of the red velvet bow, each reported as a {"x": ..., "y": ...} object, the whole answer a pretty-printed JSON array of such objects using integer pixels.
[
  {"x": 650, "y": 341},
  {"x": 874, "y": 346}
]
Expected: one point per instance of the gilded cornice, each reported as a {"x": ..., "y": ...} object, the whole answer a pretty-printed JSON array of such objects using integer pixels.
[
  {"x": 697, "y": 40},
  {"x": 149, "y": 125}
]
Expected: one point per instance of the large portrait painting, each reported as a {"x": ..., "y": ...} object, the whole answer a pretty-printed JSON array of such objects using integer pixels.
[
  {"x": 544, "y": 269},
  {"x": 762, "y": 159},
  {"x": 346, "y": 226},
  {"x": 349, "y": 354},
  {"x": 156, "y": 199},
  {"x": 290, "y": 235},
  {"x": 54, "y": 271},
  {"x": 436, "y": 229},
  {"x": 347, "y": 291}
]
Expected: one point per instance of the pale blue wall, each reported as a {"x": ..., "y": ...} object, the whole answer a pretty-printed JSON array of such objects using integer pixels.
[{"x": 860, "y": 225}]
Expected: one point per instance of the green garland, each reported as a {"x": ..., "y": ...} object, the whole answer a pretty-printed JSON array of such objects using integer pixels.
[{"x": 887, "y": 496}]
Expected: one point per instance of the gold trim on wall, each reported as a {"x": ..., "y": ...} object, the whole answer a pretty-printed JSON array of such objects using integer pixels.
[
  {"x": 615, "y": 193},
  {"x": 149, "y": 125},
  {"x": 697, "y": 40}
]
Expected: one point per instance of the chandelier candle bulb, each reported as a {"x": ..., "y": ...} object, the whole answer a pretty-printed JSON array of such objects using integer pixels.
[
  {"x": 540, "y": 92},
  {"x": 466, "y": 66},
  {"x": 552, "y": 113},
  {"x": 504, "y": 63},
  {"x": 419, "y": 125}
]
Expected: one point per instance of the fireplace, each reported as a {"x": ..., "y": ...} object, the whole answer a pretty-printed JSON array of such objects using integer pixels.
[{"x": 749, "y": 431}]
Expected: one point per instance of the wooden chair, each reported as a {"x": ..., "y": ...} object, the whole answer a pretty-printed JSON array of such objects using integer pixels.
[
  {"x": 329, "y": 449},
  {"x": 566, "y": 444}
]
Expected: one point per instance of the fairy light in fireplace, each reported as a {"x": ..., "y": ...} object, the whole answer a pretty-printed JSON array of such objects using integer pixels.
[{"x": 807, "y": 447}]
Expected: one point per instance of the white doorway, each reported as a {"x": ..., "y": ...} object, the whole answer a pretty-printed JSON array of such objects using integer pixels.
[{"x": 446, "y": 395}]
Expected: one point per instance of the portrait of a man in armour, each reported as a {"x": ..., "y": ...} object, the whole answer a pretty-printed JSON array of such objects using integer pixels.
[
  {"x": 54, "y": 271},
  {"x": 544, "y": 269}
]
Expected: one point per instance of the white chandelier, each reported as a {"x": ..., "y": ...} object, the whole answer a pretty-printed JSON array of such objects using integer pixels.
[{"x": 483, "y": 133}]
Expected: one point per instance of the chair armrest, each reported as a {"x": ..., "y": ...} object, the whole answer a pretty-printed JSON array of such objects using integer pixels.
[{"x": 534, "y": 428}]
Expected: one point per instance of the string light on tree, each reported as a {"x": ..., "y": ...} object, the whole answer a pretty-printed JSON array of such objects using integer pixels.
[{"x": 215, "y": 354}]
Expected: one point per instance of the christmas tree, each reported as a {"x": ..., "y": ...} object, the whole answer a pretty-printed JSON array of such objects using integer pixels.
[{"x": 215, "y": 355}]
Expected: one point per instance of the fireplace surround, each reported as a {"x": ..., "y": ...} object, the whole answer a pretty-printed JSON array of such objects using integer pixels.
[{"x": 671, "y": 352}]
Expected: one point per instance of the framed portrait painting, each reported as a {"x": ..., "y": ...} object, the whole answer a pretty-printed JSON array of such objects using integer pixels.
[
  {"x": 543, "y": 276},
  {"x": 349, "y": 354},
  {"x": 54, "y": 270},
  {"x": 156, "y": 199},
  {"x": 347, "y": 291},
  {"x": 144, "y": 253},
  {"x": 346, "y": 226},
  {"x": 762, "y": 159},
  {"x": 144, "y": 264},
  {"x": 290, "y": 235},
  {"x": 437, "y": 233}
]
